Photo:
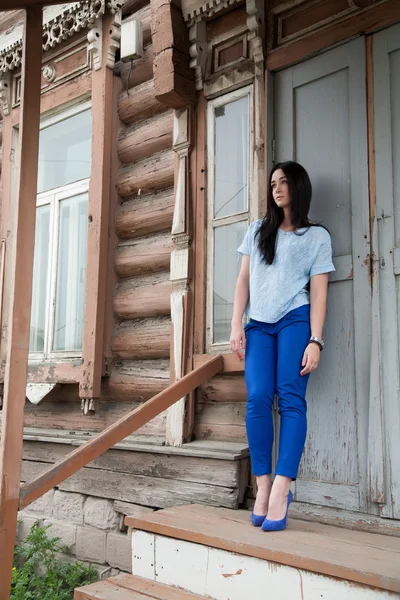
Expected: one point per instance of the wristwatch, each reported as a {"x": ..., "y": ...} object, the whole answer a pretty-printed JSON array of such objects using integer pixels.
[{"x": 315, "y": 340}]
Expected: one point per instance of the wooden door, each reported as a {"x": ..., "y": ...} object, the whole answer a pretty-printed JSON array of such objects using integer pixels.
[
  {"x": 386, "y": 66},
  {"x": 321, "y": 122}
]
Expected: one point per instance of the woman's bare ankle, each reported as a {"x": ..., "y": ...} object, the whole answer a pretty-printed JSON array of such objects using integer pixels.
[{"x": 264, "y": 485}]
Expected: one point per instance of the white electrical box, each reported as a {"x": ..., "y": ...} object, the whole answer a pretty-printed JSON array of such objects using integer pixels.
[{"x": 131, "y": 40}]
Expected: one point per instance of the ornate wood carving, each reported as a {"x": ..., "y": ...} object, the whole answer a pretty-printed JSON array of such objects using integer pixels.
[
  {"x": 195, "y": 10},
  {"x": 95, "y": 47},
  {"x": 180, "y": 274},
  {"x": 69, "y": 22},
  {"x": 5, "y": 93},
  {"x": 198, "y": 51}
]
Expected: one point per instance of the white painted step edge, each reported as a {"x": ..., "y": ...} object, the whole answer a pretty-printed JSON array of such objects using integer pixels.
[{"x": 223, "y": 575}]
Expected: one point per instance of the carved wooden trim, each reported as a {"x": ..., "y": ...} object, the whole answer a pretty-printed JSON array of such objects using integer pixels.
[
  {"x": 180, "y": 275},
  {"x": 54, "y": 72},
  {"x": 300, "y": 18},
  {"x": 195, "y": 10},
  {"x": 69, "y": 22},
  {"x": 5, "y": 93},
  {"x": 198, "y": 51}
]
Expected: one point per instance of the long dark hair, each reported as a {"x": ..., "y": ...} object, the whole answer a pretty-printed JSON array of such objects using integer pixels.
[{"x": 300, "y": 191}]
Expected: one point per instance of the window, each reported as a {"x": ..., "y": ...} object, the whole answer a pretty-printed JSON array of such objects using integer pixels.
[
  {"x": 58, "y": 295},
  {"x": 229, "y": 135}
]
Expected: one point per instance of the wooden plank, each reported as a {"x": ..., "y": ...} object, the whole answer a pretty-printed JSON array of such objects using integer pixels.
[
  {"x": 105, "y": 590},
  {"x": 143, "y": 339},
  {"x": 157, "y": 492},
  {"x": 145, "y": 215},
  {"x": 232, "y": 364},
  {"x": 21, "y": 294},
  {"x": 55, "y": 372},
  {"x": 131, "y": 588},
  {"x": 336, "y": 495},
  {"x": 151, "y": 444},
  {"x": 97, "y": 237},
  {"x": 376, "y": 429},
  {"x": 148, "y": 175},
  {"x": 143, "y": 297},
  {"x": 141, "y": 140},
  {"x": 69, "y": 416},
  {"x": 117, "y": 432},
  {"x": 79, "y": 87},
  {"x": 169, "y": 466},
  {"x": 112, "y": 276},
  {"x": 379, "y": 16},
  {"x": 128, "y": 508},
  {"x": 345, "y": 519},
  {"x": 151, "y": 255},
  {"x": 153, "y": 589},
  {"x": 368, "y": 559}
]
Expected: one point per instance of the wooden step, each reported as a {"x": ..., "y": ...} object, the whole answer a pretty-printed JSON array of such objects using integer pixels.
[
  {"x": 362, "y": 558},
  {"x": 128, "y": 587}
]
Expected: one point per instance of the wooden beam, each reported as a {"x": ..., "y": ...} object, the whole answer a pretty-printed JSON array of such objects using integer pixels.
[
  {"x": 97, "y": 243},
  {"x": 173, "y": 77},
  {"x": 117, "y": 432},
  {"x": 21, "y": 295}
]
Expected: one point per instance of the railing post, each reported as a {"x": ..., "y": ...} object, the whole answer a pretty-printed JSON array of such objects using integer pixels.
[{"x": 21, "y": 295}]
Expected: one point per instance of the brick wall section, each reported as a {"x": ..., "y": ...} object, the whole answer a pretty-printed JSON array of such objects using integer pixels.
[{"x": 90, "y": 529}]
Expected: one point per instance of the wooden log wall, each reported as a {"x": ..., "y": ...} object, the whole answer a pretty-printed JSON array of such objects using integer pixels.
[{"x": 143, "y": 221}]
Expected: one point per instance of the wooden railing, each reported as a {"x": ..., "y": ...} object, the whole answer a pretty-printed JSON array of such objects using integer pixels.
[{"x": 119, "y": 430}]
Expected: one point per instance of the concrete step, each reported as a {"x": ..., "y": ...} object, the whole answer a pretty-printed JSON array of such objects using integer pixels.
[
  {"x": 215, "y": 552},
  {"x": 128, "y": 587}
]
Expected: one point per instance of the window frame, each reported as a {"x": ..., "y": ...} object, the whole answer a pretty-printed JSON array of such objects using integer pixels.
[
  {"x": 246, "y": 216},
  {"x": 53, "y": 197}
]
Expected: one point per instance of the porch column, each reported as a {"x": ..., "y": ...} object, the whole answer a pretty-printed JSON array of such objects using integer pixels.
[{"x": 23, "y": 242}]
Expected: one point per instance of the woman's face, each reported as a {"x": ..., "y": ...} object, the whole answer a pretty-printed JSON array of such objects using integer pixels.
[{"x": 280, "y": 189}]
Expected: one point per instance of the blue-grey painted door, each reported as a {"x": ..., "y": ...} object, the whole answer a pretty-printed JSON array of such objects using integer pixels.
[
  {"x": 386, "y": 226},
  {"x": 321, "y": 122}
]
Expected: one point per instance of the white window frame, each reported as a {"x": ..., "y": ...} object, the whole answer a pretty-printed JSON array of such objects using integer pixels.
[
  {"x": 53, "y": 198},
  {"x": 212, "y": 223}
]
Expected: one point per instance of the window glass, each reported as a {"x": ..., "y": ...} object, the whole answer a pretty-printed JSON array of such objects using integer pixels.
[
  {"x": 71, "y": 266},
  {"x": 40, "y": 273},
  {"x": 227, "y": 260},
  {"x": 65, "y": 152},
  {"x": 231, "y": 158}
]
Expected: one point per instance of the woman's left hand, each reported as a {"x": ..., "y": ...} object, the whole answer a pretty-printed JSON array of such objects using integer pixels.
[{"x": 310, "y": 359}]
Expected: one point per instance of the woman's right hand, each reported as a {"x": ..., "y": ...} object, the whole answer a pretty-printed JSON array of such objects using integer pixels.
[{"x": 238, "y": 339}]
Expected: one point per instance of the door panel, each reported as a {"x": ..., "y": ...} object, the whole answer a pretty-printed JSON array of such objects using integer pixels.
[
  {"x": 320, "y": 109},
  {"x": 386, "y": 54}
]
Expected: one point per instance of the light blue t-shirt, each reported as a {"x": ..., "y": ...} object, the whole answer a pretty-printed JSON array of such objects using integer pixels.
[{"x": 281, "y": 287}]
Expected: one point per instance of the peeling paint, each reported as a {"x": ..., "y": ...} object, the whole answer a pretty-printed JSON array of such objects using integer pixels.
[{"x": 226, "y": 575}]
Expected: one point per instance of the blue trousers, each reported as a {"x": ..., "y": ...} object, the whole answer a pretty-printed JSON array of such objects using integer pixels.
[{"x": 274, "y": 355}]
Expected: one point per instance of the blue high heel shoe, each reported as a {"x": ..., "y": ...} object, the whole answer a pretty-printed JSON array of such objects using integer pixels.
[
  {"x": 280, "y": 525},
  {"x": 257, "y": 520}
]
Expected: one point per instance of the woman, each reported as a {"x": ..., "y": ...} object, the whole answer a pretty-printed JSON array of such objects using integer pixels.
[{"x": 283, "y": 282}]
